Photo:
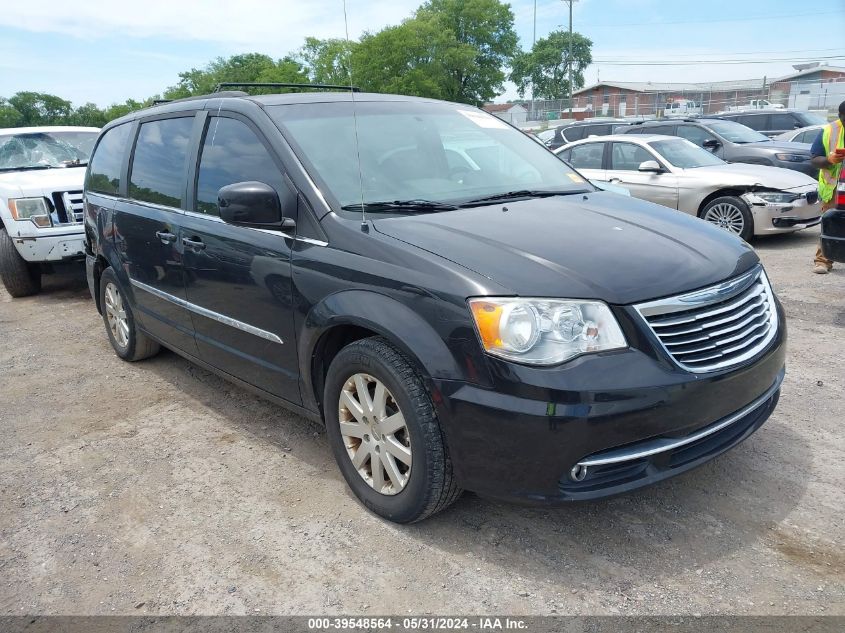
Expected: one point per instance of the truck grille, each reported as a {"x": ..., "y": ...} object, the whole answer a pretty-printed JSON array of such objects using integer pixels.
[
  {"x": 718, "y": 327},
  {"x": 68, "y": 206}
]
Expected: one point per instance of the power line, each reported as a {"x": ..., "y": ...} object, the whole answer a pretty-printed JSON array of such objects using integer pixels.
[
  {"x": 758, "y": 18},
  {"x": 707, "y": 62}
]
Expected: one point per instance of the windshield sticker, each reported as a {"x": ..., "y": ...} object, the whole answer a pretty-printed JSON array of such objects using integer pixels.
[
  {"x": 484, "y": 120},
  {"x": 575, "y": 177}
]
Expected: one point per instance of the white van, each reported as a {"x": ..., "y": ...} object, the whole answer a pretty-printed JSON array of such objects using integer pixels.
[{"x": 682, "y": 107}]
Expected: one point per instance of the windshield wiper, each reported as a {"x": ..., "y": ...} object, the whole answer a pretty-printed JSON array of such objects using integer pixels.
[
  {"x": 520, "y": 193},
  {"x": 26, "y": 168},
  {"x": 401, "y": 205}
]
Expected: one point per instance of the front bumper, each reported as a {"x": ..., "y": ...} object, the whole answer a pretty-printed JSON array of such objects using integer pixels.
[
  {"x": 773, "y": 218},
  {"x": 524, "y": 439},
  {"x": 833, "y": 235},
  {"x": 54, "y": 244}
]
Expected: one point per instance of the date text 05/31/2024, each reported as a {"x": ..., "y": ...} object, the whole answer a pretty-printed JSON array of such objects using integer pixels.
[{"x": 429, "y": 623}]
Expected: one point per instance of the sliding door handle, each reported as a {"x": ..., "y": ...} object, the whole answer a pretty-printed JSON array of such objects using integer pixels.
[{"x": 195, "y": 244}]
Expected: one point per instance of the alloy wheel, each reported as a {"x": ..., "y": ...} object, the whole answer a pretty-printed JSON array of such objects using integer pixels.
[
  {"x": 726, "y": 216},
  {"x": 116, "y": 316},
  {"x": 375, "y": 434}
]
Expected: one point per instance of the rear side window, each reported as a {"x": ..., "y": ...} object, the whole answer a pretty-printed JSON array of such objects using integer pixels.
[
  {"x": 587, "y": 156},
  {"x": 106, "y": 163},
  {"x": 668, "y": 130},
  {"x": 232, "y": 153},
  {"x": 783, "y": 121},
  {"x": 575, "y": 133},
  {"x": 754, "y": 121},
  {"x": 597, "y": 130},
  {"x": 158, "y": 166}
]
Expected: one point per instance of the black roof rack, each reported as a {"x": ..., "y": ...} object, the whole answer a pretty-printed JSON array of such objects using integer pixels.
[{"x": 256, "y": 84}]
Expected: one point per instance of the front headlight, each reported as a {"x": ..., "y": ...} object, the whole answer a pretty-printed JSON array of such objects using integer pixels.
[
  {"x": 544, "y": 331},
  {"x": 776, "y": 197},
  {"x": 792, "y": 158},
  {"x": 33, "y": 209}
]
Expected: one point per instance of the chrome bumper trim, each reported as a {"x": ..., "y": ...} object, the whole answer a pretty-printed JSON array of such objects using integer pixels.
[{"x": 661, "y": 445}]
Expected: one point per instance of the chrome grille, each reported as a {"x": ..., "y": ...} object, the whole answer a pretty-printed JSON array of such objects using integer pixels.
[
  {"x": 718, "y": 327},
  {"x": 68, "y": 206}
]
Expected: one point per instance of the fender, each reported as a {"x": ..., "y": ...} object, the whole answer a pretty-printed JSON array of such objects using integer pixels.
[{"x": 380, "y": 313}]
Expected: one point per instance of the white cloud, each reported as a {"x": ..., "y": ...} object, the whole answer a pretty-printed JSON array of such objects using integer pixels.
[{"x": 276, "y": 27}]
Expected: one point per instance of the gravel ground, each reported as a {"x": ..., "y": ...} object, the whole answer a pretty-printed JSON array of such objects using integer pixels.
[{"x": 158, "y": 488}]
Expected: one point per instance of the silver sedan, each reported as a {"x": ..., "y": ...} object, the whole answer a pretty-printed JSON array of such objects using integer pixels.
[{"x": 744, "y": 199}]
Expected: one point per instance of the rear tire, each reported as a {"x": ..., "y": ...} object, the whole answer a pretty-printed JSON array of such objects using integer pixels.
[
  {"x": 404, "y": 473},
  {"x": 731, "y": 214},
  {"x": 20, "y": 277},
  {"x": 128, "y": 342}
]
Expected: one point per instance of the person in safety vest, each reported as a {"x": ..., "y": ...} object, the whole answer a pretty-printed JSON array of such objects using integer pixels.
[{"x": 828, "y": 153}]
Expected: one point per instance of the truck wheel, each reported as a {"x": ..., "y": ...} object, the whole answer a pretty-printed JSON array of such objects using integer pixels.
[
  {"x": 384, "y": 433},
  {"x": 126, "y": 339},
  {"x": 20, "y": 277},
  {"x": 730, "y": 213}
]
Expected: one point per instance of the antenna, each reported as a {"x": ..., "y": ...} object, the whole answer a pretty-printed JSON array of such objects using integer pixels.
[{"x": 352, "y": 92}]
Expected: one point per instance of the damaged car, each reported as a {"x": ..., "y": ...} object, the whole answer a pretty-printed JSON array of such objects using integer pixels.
[
  {"x": 747, "y": 200},
  {"x": 41, "y": 174}
]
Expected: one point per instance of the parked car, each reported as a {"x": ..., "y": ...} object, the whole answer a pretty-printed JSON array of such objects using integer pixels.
[
  {"x": 771, "y": 123},
  {"x": 41, "y": 173},
  {"x": 833, "y": 226},
  {"x": 585, "y": 129},
  {"x": 801, "y": 135},
  {"x": 682, "y": 107},
  {"x": 507, "y": 329},
  {"x": 746, "y": 200},
  {"x": 756, "y": 104},
  {"x": 733, "y": 142}
]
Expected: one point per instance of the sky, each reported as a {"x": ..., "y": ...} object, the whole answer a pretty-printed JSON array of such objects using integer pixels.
[{"x": 104, "y": 51}]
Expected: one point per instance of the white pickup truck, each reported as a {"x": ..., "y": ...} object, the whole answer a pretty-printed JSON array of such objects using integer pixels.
[
  {"x": 41, "y": 174},
  {"x": 757, "y": 104}
]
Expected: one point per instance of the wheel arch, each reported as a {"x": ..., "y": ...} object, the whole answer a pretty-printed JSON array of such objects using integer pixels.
[
  {"x": 351, "y": 315},
  {"x": 719, "y": 193}
]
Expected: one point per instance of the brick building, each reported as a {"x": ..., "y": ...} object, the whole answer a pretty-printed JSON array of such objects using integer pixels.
[{"x": 630, "y": 98}]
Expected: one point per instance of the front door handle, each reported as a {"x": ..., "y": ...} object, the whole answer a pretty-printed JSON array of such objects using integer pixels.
[
  {"x": 615, "y": 180},
  {"x": 193, "y": 244},
  {"x": 165, "y": 237}
]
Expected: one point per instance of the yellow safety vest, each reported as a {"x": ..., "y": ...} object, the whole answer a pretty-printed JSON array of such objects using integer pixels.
[{"x": 828, "y": 178}]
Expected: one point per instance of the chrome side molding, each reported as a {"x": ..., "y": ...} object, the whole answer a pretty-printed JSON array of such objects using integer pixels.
[{"x": 220, "y": 318}]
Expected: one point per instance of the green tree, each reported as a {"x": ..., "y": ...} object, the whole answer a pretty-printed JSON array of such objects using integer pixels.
[
  {"x": 546, "y": 68},
  {"x": 483, "y": 43},
  {"x": 40, "y": 108},
  {"x": 117, "y": 110},
  {"x": 249, "y": 67},
  {"x": 327, "y": 61},
  {"x": 9, "y": 116},
  {"x": 89, "y": 115}
]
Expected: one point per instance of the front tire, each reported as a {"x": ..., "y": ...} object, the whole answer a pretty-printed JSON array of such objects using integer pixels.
[
  {"x": 128, "y": 342},
  {"x": 20, "y": 277},
  {"x": 384, "y": 433},
  {"x": 731, "y": 214}
]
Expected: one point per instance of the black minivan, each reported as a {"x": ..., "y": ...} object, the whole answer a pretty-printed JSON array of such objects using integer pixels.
[{"x": 459, "y": 307}]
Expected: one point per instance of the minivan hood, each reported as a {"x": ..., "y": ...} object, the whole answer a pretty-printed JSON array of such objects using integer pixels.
[
  {"x": 748, "y": 175},
  {"x": 582, "y": 246},
  {"x": 41, "y": 182}
]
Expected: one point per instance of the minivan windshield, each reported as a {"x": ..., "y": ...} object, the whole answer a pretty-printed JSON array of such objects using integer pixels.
[
  {"x": 45, "y": 150},
  {"x": 428, "y": 156},
  {"x": 736, "y": 132},
  {"x": 681, "y": 153}
]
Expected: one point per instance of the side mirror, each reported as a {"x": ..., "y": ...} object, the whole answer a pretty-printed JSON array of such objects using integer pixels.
[
  {"x": 650, "y": 165},
  {"x": 711, "y": 144},
  {"x": 253, "y": 204}
]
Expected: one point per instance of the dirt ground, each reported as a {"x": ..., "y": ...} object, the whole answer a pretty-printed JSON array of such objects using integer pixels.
[{"x": 158, "y": 488}]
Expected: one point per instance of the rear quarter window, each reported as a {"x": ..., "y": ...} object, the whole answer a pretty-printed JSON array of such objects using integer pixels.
[
  {"x": 158, "y": 165},
  {"x": 107, "y": 161}
]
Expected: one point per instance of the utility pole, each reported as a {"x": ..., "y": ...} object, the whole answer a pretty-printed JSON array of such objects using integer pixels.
[
  {"x": 570, "y": 2},
  {"x": 533, "y": 44}
]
